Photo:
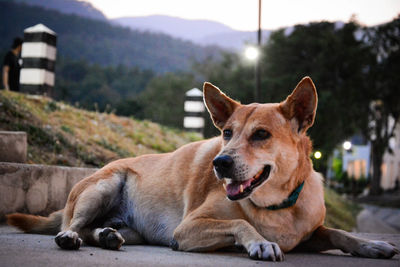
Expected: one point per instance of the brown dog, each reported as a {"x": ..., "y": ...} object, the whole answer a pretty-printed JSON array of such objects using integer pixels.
[{"x": 254, "y": 186}]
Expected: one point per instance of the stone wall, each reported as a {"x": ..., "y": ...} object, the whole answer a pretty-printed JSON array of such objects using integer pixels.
[
  {"x": 13, "y": 146},
  {"x": 36, "y": 189}
]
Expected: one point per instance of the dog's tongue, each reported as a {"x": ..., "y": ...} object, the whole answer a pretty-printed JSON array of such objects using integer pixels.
[{"x": 233, "y": 188}]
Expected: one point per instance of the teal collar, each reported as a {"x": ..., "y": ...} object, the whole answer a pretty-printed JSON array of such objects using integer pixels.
[{"x": 290, "y": 201}]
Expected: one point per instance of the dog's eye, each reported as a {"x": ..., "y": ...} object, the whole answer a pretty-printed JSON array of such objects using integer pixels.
[
  {"x": 227, "y": 134},
  {"x": 260, "y": 135}
]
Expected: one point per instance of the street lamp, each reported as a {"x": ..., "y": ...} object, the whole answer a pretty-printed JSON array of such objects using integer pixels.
[
  {"x": 347, "y": 145},
  {"x": 252, "y": 53},
  {"x": 317, "y": 155},
  {"x": 258, "y": 79}
]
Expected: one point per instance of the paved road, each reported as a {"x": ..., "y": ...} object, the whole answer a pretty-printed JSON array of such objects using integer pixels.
[
  {"x": 375, "y": 219},
  {"x": 18, "y": 249}
]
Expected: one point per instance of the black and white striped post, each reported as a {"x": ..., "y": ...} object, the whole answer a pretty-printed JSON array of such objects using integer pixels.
[
  {"x": 194, "y": 109},
  {"x": 39, "y": 57}
]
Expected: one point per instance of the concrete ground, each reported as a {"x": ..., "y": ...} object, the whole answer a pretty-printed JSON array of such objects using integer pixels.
[
  {"x": 19, "y": 249},
  {"x": 375, "y": 219}
]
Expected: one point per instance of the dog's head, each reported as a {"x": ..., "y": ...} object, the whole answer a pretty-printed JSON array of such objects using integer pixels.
[{"x": 265, "y": 149}]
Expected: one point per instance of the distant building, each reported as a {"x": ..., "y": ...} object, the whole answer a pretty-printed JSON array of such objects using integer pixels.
[
  {"x": 357, "y": 161},
  {"x": 391, "y": 163}
]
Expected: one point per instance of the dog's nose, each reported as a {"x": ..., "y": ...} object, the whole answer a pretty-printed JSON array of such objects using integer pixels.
[{"x": 223, "y": 165}]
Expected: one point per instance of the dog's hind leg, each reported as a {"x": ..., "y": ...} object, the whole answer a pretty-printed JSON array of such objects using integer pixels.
[
  {"x": 90, "y": 199},
  {"x": 131, "y": 236},
  {"x": 107, "y": 238},
  {"x": 110, "y": 238},
  {"x": 327, "y": 238}
]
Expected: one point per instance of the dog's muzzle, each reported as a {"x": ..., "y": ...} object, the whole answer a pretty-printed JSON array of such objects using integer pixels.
[{"x": 224, "y": 166}]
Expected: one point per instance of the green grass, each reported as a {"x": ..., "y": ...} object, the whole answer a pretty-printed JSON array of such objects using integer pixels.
[
  {"x": 62, "y": 134},
  {"x": 340, "y": 213},
  {"x": 67, "y": 129}
]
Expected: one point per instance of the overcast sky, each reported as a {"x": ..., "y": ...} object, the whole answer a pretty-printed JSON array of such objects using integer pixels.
[{"x": 243, "y": 14}]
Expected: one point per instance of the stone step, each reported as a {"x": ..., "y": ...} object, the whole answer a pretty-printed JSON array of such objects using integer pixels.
[
  {"x": 36, "y": 189},
  {"x": 13, "y": 146}
]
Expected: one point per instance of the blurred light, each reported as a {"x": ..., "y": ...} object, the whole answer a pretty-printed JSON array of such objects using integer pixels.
[
  {"x": 317, "y": 155},
  {"x": 251, "y": 53},
  {"x": 347, "y": 145}
]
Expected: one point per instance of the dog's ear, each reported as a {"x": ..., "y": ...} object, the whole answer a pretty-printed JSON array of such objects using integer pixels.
[
  {"x": 218, "y": 104},
  {"x": 301, "y": 105}
]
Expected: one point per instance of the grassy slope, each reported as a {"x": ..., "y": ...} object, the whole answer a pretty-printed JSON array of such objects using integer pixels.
[
  {"x": 59, "y": 134},
  {"x": 64, "y": 135},
  {"x": 340, "y": 213}
]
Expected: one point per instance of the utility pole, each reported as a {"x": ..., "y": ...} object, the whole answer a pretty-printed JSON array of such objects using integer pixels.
[{"x": 257, "y": 92}]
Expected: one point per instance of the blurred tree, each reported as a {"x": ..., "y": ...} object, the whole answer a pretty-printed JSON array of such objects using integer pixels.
[
  {"x": 383, "y": 93},
  {"x": 333, "y": 56},
  {"x": 233, "y": 75},
  {"x": 162, "y": 100},
  {"x": 78, "y": 81}
]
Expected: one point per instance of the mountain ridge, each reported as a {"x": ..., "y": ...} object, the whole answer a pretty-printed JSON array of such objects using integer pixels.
[
  {"x": 199, "y": 31},
  {"x": 100, "y": 42},
  {"x": 80, "y": 8},
  {"x": 178, "y": 27}
]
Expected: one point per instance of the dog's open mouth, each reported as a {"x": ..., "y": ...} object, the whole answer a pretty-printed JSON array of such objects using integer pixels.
[{"x": 236, "y": 190}]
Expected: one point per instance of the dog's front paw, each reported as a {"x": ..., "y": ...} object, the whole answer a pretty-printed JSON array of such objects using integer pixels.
[
  {"x": 375, "y": 249},
  {"x": 264, "y": 250},
  {"x": 109, "y": 238},
  {"x": 68, "y": 240}
]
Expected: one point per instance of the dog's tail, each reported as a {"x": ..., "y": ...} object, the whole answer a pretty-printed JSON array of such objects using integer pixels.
[{"x": 36, "y": 224}]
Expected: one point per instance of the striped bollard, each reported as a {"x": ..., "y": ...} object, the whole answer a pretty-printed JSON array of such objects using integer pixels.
[
  {"x": 39, "y": 57},
  {"x": 194, "y": 109}
]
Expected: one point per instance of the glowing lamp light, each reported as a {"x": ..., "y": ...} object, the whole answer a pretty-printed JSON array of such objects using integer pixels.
[
  {"x": 347, "y": 145},
  {"x": 317, "y": 155},
  {"x": 251, "y": 53}
]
